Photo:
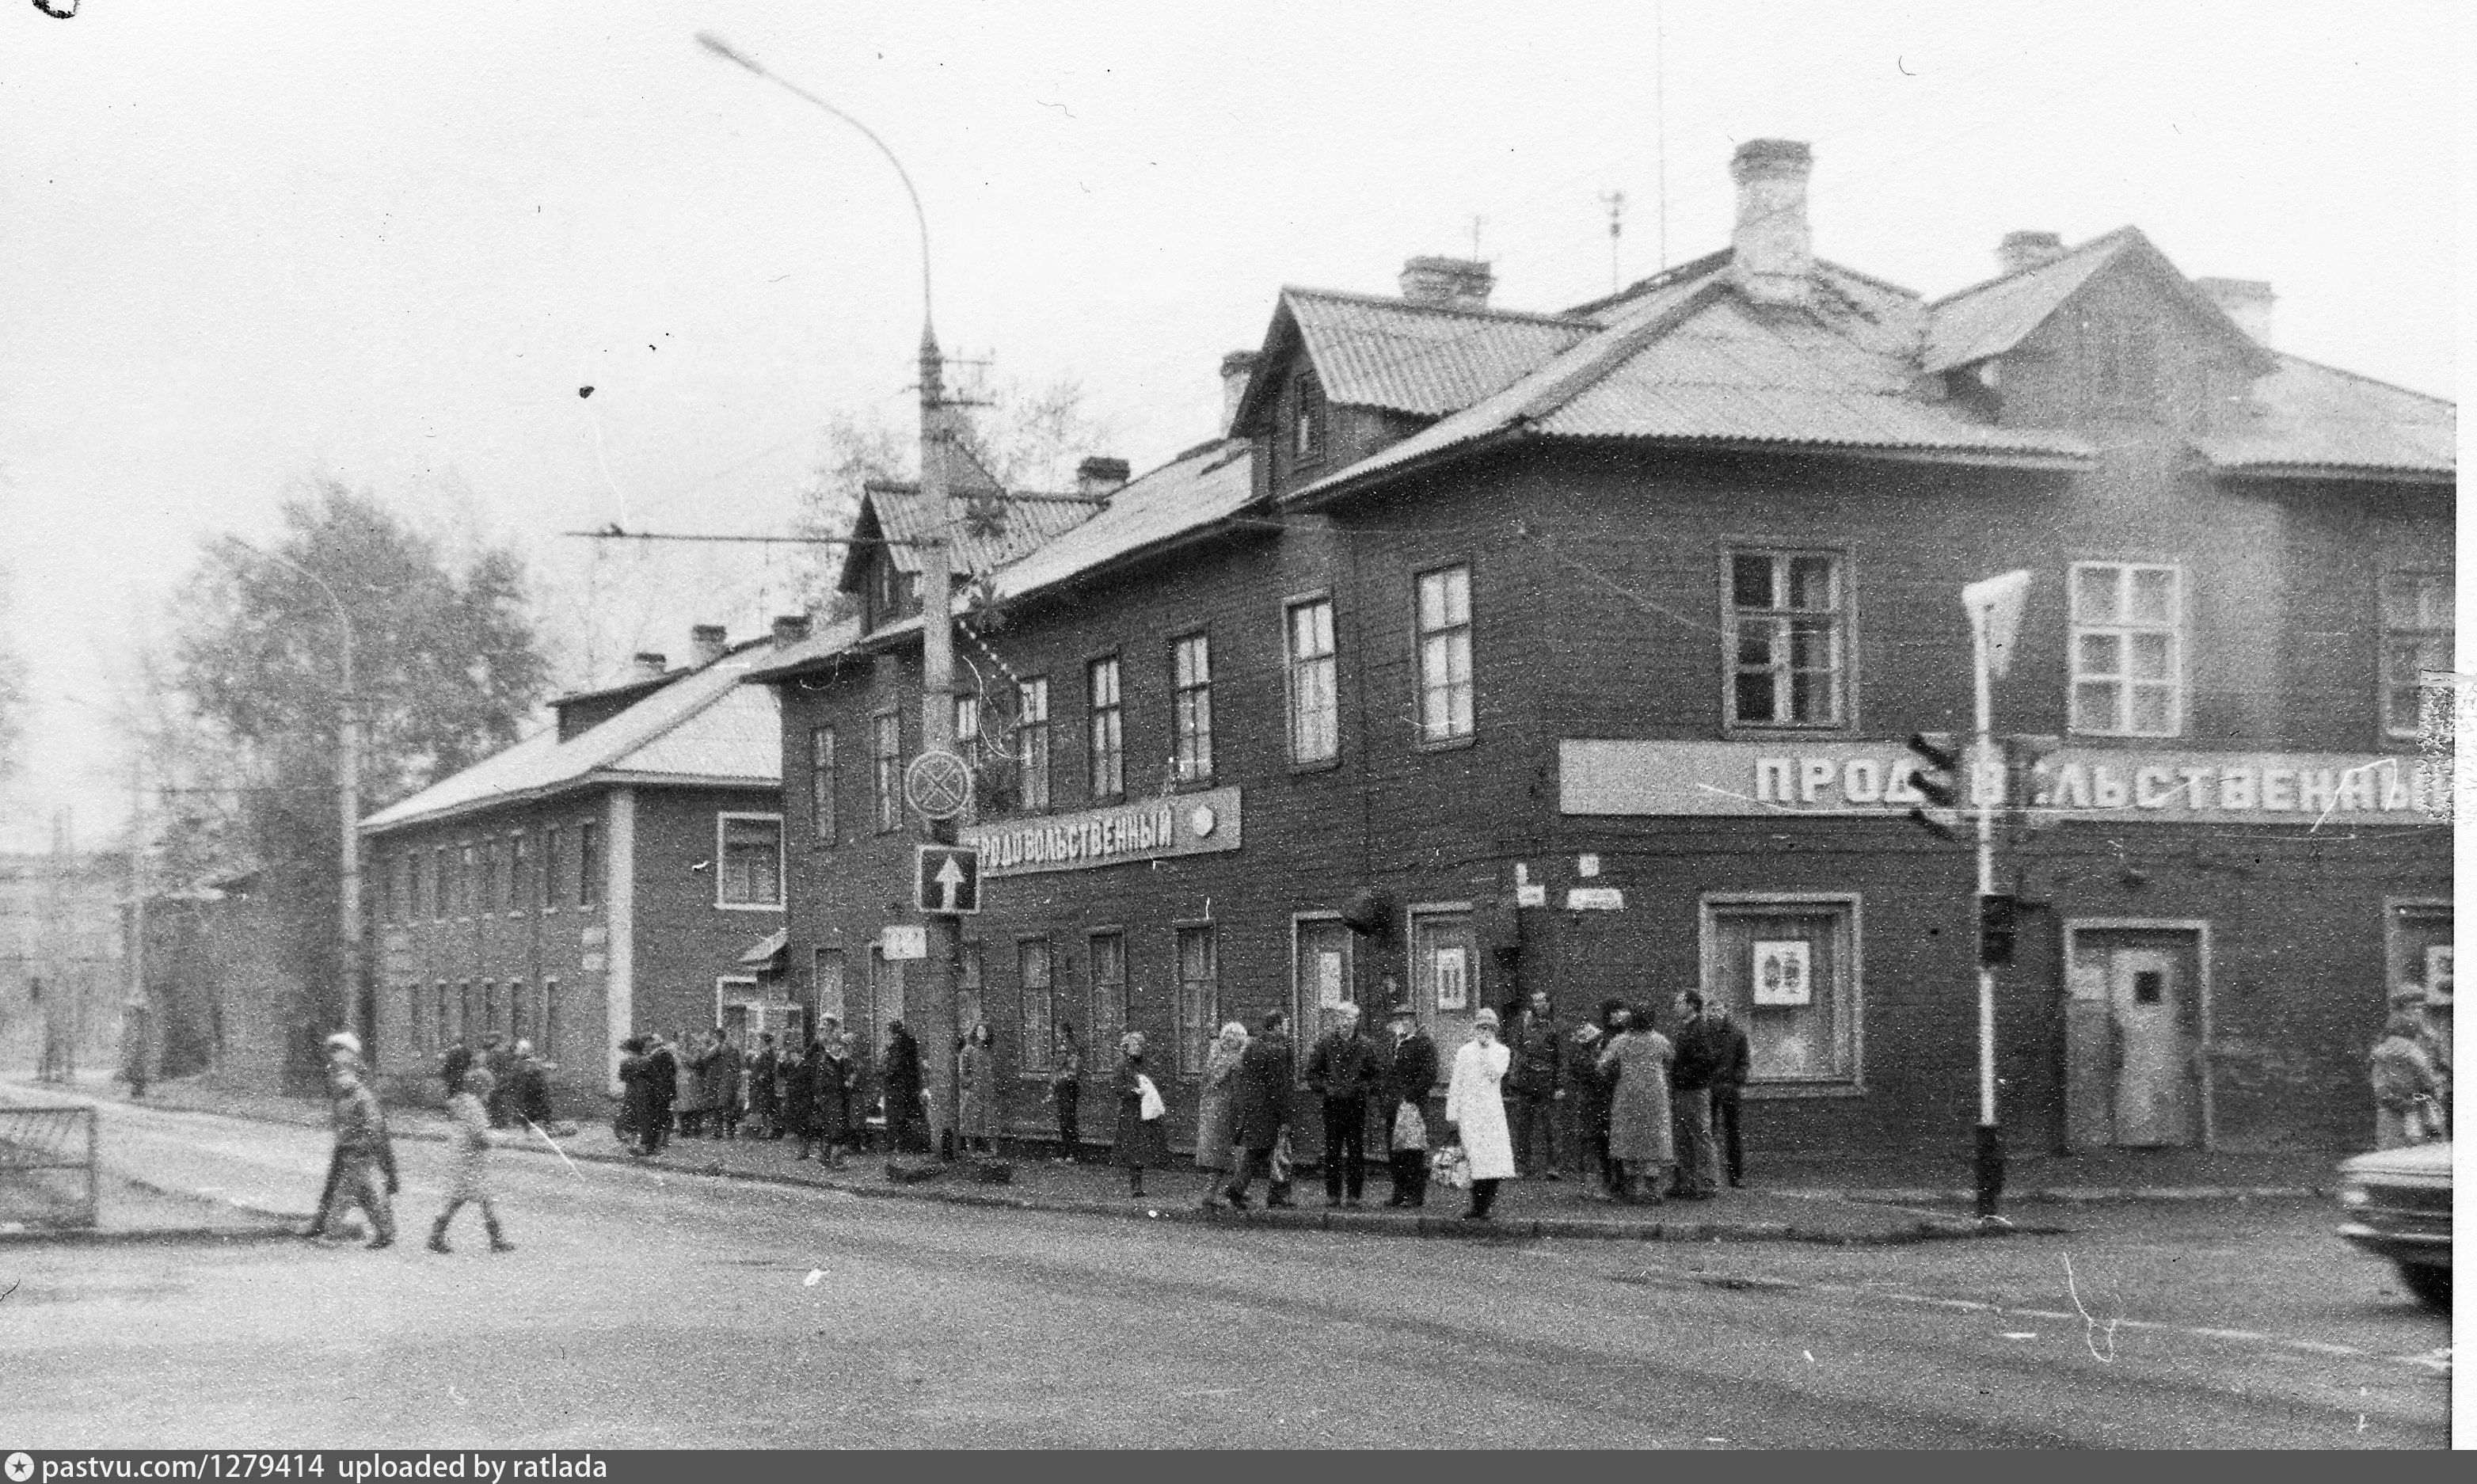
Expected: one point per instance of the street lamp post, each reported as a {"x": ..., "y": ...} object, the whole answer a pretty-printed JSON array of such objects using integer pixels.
[
  {"x": 935, "y": 1028},
  {"x": 348, "y": 786}
]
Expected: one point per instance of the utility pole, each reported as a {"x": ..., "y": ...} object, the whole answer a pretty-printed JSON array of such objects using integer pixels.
[
  {"x": 136, "y": 910},
  {"x": 932, "y": 1020}
]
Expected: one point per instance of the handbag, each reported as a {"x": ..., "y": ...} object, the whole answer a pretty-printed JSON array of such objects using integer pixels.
[
  {"x": 1451, "y": 1167},
  {"x": 1150, "y": 1105},
  {"x": 1280, "y": 1169},
  {"x": 1409, "y": 1127}
]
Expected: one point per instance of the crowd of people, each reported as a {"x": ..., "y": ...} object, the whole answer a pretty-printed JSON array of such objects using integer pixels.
[{"x": 709, "y": 1086}]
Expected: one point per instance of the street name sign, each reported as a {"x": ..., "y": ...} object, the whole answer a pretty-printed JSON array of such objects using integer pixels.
[{"x": 946, "y": 878}]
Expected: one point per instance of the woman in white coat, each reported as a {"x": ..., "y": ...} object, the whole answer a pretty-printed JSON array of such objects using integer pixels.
[{"x": 1475, "y": 1105}]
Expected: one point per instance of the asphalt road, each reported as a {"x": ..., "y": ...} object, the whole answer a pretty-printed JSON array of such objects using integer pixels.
[{"x": 653, "y": 1309}]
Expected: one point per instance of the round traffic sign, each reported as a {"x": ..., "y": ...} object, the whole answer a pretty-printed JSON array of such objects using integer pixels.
[{"x": 938, "y": 784}]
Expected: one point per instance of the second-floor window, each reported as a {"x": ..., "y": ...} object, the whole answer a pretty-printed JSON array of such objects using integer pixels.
[
  {"x": 588, "y": 862},
  {"x": 821, "y": 783},
  {"x": 749, "y": 872},
  {"x": 465, "y": 878},
  {"x": 2416, "y": 637},
  {"x": 1105, "y": 735},
  {"x": 2128, "y": 649},
  {"x": 1315, "y": 709},
  {"x": 886, "y": 756},
  {"x": 1032, "y": 742},
  {"x": 519, "y": 860},
  {"x": 443, "y": 891},
  {"x": 1307, "y": 420},
  {"x": 1191, "y": 692},
  {"x": 553, "y": 861},
  {"x": 1786, "y": 639},
  {"x": 1444, "y": 655}
]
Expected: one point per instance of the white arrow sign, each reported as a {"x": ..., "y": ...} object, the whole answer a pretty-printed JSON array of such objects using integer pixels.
[{"x": 949, "y": 878}]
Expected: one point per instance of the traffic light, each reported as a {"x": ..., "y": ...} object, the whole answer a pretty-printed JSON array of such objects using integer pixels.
[
  {"x": 1937, "y": 779},
  {"x": 1998, "y": 915}
]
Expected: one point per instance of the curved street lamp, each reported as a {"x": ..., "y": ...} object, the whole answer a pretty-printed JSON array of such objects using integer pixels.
[{"x": 937, "y": 1029}]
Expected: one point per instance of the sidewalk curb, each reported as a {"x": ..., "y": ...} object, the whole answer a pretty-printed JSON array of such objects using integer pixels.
[{"x": 2070, "y": 1194}]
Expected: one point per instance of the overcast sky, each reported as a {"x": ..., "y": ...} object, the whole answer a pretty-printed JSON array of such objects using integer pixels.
[{"x": 247, "y": 245}]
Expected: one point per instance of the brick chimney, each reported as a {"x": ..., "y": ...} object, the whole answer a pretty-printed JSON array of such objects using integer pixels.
[
  {"x": 1771, "y": 256},
  {"x": 2245, "y": 300},
  {"x": 1099, "y": 477},
  {"x": 706, "y": 643},
  {"x": 1236, "y": 367},
  {"x": 1447, "y": 283},
  {"x": 2027, "y": 249},
  {"x": 649, "y": 665},
  {"x": 790, "y": 629}
]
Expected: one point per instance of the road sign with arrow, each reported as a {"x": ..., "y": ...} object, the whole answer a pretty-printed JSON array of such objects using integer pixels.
[{"x": 946, "y": 878}]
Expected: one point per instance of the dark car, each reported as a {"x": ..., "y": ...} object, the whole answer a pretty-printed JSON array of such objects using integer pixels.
[{"x": 2398, "y": 1203}]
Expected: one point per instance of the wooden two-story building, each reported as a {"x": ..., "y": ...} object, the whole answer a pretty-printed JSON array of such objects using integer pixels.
[{"x": 1496, "y": 652}]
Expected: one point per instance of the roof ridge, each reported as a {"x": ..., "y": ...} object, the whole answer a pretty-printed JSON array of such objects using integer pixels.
[
  {"x": 1625, "y": 339},
  {"x": 1483, "y": 312},
  {"x": 2128, "y": 230},
  {"x": 1666, "y": 277}
]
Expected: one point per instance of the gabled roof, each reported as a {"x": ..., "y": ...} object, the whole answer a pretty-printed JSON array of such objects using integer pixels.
[
  {"x": 1992, "y": 317},
  {"x": 894, "y": 511},
  {"x": 1204, "y": 486},
  {"x": 703, "y": 728},
  {"x": 1689, "y": 360},
  {"x": 1423, "y": 360},
  {"x": 2308, "y": 420}
]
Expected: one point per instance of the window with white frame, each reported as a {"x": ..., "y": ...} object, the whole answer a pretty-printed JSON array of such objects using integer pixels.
[
  {"x": 1032, "y": 742},
  {"x": 2416, "y": 637},
  {"x": 1199, "y": 994},
  {"x": 1191, "y": 707},
  {"x": 1786, "y": 967},
  {"x": 1314, "y": 695},
  {"x": 1307, "y": 420},
  {"x": 1444, "y": 655},
  {"x": 748, "y": 853},
  {"x": 2128, "y": 649},
  {"x": 1787, "y": 639},
  {"x": 886, "y": 766},
  {"x": 1105, "y": 734}
]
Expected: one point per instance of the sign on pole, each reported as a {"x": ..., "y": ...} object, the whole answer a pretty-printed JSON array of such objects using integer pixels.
[
  {"x": 938, "y": 784},
  {"x": 946, "y": 878},
  {"x": 1996, "y": 606}
]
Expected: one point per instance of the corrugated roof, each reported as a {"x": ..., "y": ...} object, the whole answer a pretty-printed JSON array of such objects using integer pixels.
[
  {"x": 1198, "y": 487},
  {"x": 2306, "y": 415},
  {"x": 903, "y": 516},
  {"x": 1424, "y": 360},
  {"x": 1989, "y": 318},
  {"x": 704, "y": 725}
]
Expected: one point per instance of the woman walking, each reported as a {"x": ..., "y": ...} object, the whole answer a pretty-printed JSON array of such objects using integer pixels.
[
  {"x": 466, "y": 1150},
  {"x": 1641, "y": 1144},
  {"x": 1475, "y": 1105},
  {"x": 1141, "y": 1140},
  {"x": 976, "y": 1093},
  {"x": 1216, "y": 1111}
]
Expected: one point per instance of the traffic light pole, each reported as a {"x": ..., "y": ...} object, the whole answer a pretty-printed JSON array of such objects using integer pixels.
[{"x": 1991, "y": 1133}]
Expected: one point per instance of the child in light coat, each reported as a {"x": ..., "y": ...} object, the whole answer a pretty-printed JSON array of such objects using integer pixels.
[{"x": 467, "y": 1150}]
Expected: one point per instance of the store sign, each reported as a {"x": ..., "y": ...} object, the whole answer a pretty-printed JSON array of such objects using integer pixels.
[
  {"x": 1867, "y": 779},
  {"x": 1181, "y": 824}
]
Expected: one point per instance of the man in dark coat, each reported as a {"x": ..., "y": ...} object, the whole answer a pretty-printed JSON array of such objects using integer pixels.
[
  {"x": 662, "y": 1080},
  {"x": 1690, "y": 1097},
  {"x": 1728, "y": 1087},
  {"x": 500, "y": 1063},
  {"x": 1262, "y": 1108},
  {"x": 1343, "y": 1072},
  {"x": 764, "y": 1104},
  {"x": 452, "y": 1065},
  {"x": 1587, "y": 1099},
  {"x": 902, "y": 1081},
  {"x": 636, "y": 1105},
  {"x": 528, "y": 1095},
  {"x": 1535, "y": 1081},
  {"x": 1410, "y": 1074}
]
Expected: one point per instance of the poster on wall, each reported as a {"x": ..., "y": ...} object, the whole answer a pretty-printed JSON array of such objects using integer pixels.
[
  {"x": 1780, "y": 974},
  {"x": 1328, "y": 979},
  {"x": 1453, "y": 979},
  {"x": 2437, "y": 967}
]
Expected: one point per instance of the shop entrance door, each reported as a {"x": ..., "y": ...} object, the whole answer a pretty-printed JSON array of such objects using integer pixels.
[{"x": 2149, "y": 983}]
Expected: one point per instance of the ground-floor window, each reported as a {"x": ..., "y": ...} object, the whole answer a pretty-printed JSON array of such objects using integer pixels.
[
  {"x": 1199, "y": 994},
  {"x": 1445, "y": 972},
  {"x": 736, "y": 1010},
  {"x": 552, "y": 1028},
  {"x": 970, "y": 1002},
  {"x": 1786, "y": 967},
  {"x": 1320, "y": 978},
  {"x": 2417, "y": 938},
  {"x": 826, "y": 984},
  {"x": 885, "y": 1005},
  {"x": 442, "y": 1025},
  {"x": 1032, "y": 980},
  {"x": 1107, "y": 1002}
]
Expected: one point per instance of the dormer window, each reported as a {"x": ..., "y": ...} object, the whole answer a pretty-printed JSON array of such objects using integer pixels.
[
  {"x": 898, "y": 592},
  {"x": 1307, "y": 420}
]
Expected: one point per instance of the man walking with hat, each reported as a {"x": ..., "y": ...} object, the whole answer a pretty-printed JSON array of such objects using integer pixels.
[{"x": 1409, "y": 1072}]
